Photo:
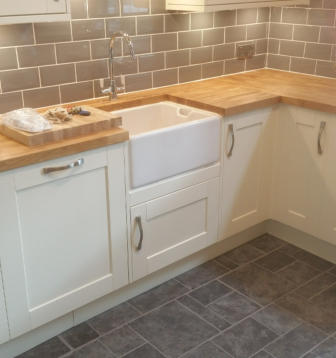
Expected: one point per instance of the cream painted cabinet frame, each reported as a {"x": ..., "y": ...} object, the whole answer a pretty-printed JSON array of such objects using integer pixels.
[
  {"x": 24, "y": 11},
  {"x": 63, "y": 235}
]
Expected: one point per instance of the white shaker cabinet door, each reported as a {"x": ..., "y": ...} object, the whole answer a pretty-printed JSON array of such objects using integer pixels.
[
  {"x": 244, "y": 181},
  {"x": 63, "y": 236},
  {"x": 297, "y": 178},
  {"x": 174, "y": 226},
  {"x": 23, "y": 7}
]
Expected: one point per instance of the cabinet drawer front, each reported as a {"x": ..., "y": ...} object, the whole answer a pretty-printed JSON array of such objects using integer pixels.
[
  {"x": 33, "y": 175},
  {"x": 57, "y": 6},
  {"x": 174, "y": 226}
]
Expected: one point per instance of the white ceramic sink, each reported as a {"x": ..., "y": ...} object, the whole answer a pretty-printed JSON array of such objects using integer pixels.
[{"x": 168, "y": 139}]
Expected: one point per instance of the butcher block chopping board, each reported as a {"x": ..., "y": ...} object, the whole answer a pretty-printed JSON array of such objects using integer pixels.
[{"x": 79, "y": 126}]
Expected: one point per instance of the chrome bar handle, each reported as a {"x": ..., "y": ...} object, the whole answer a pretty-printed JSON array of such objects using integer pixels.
[
  {"x": 319, "y": 145},
  {"x": 139, "y": 223},
  {"x": 230, "y": 152},
  {"x": 49, "y": 170}
]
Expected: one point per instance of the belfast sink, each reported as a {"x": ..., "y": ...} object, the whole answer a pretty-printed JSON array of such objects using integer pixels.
[{"x": 168, "y": 139}]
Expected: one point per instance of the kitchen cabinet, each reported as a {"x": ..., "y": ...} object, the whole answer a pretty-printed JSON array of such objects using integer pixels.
[
  {"x": 304, "y": 191},
  {"x": 244, "y": 186},
  {"x": 63, "y": 235},
  {"x": 4, "y": 330},
  {"x": 219, "y": 5},
  {"x": 18, "y": 11},
  {"x": 174, "y": 226},
  {"x": 297, "y": 179}
]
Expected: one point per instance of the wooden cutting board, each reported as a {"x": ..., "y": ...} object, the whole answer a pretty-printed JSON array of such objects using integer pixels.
[{"x": 79, "y": 125}]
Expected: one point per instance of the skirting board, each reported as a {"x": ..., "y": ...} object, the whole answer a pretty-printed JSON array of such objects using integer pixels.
[{"x": 39, "y": 335}]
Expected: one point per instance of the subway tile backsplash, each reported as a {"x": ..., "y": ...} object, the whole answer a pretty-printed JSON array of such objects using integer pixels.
[
  {"x": 303, "y": 39},
  {"x": 50, "y": 63}
]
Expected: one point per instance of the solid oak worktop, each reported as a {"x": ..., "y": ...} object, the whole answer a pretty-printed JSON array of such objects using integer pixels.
[{"x": 227, "y": 96}]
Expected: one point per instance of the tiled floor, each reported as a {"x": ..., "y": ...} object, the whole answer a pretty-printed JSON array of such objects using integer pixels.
[{"x": 265, "y": 299}]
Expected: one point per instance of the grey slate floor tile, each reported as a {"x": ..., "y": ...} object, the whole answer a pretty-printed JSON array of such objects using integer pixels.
[
  {"x": 158, "y": 296},
  {"x": 275, "y": 261},
  {"x": 92, "y": 350},
  {"x": 113, "y": 318},
  {"x": 204, "y": 312},
  {"x": 146, "y": 351},
  {"x": 244, "y": 254},
  {"x": 122, "y": 341},
  {"x": 210, "y": 292},
  {"x": 223, "y": 260},
  {"x": 296, "y": 342},
  {"x": 201, "y": 274},
  {"x": 267, "y": 243},
  {"x": 234, "y": 307},
  {"x": 79, "y": 335},
  {"x": 327, "y": 349},
  {"x": 298, "y": 272},
  {"x": 313, "y": 260},
  {"x": 316, "y": 285},
  {"x": 320, "y": 314},
  {"x": 52, "y": 348},
  {"x": 216, "y": 310},
  {"x": 207, "y": 350},
  {"x": 278, "y": 319},
  {"x": 262, "y": 354},
  {"x": 245, "y": 339},
  {"x": 257, "y": 283},
  {"x": 173, "y": 329}
]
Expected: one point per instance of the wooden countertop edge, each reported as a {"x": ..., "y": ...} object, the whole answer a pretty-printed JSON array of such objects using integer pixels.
[{"x": 64, "y": 148}]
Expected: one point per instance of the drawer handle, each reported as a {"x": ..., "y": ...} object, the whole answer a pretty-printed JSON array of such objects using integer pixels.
[
  {"x": 322, "y": 129},
  {"x": 139, "y": 223},
  {"x": 77, "y": 163},
  {"x": 229, "y": 153}
]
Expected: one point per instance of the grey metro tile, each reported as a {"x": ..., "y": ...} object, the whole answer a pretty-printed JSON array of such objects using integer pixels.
[
  {"x": 206, "y": 313},
  {"x": 261, "y": 285},
  {"x": 201, "y": 274},
  {"x": 146, "y": 351},
  {"x": 122, "y": 341},
  {"x": 210, "y": 292},
  {"x": 245, "y": 338},
  {"x": 244, "y": 254},
  {"x": 296, "y": 342},
  {"x": 53, "y": 348},
  {"x": 79, "y": 335},
  {"x": 173, "y": 329},
  {"x": 275, "y": 261},
  {"x": 92, "y": 350},
  {"x": 326, "y": 349},
  {"x": 158, "y": 295},
  {"x": 298, "y": 272},
  {"x": 267, "y": 243},
  {"x": 207, "y": 350},
  {"x": 278, "y": 319},
  {"x": 113, "y": 318},
  {"x": 234, "y": 307}
]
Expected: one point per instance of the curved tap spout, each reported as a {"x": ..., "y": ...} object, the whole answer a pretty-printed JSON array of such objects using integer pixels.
[{"x": 113, "y": 89}]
